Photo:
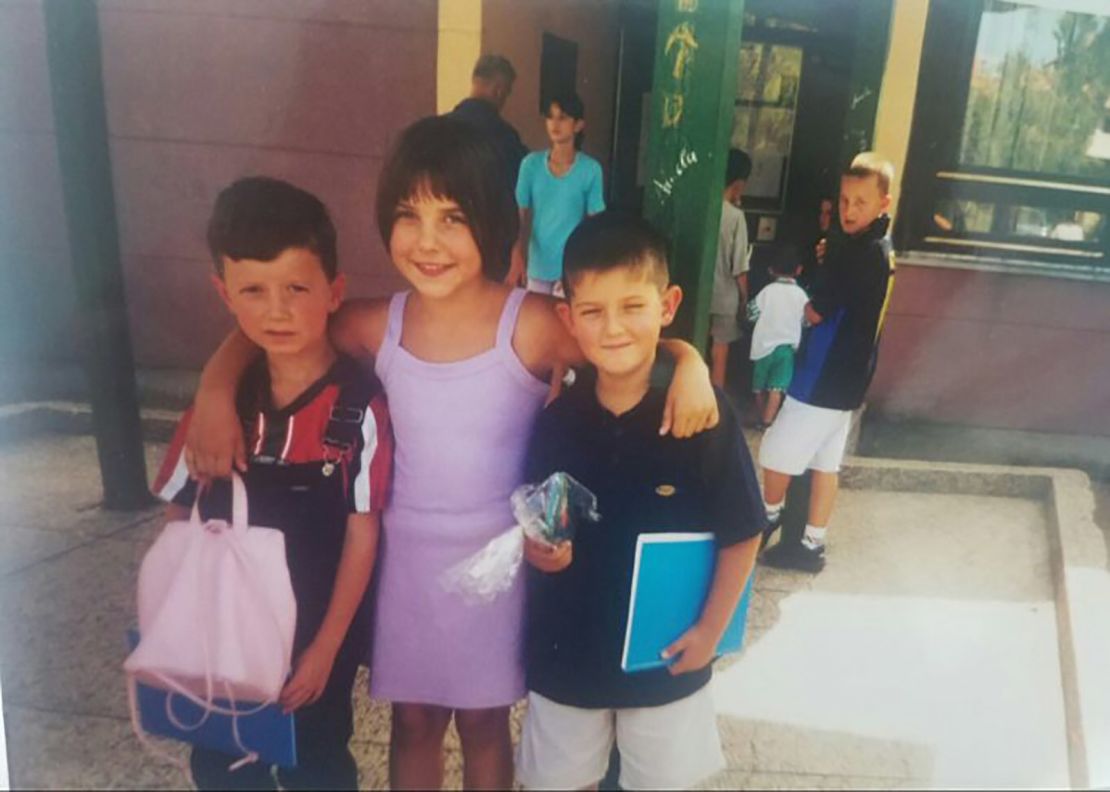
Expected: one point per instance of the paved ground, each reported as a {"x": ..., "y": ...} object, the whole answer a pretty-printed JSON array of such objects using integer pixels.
[{"x": 924, "y": 656}]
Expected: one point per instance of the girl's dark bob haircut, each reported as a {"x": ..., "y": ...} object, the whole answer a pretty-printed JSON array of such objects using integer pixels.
[{"x": 448, "y": 159}]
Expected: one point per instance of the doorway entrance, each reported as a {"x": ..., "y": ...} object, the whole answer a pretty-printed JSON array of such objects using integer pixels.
[{"x": 795, "y": 79}]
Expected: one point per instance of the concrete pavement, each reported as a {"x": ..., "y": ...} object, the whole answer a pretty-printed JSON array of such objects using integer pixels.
[{"x": 927, "y": 654}]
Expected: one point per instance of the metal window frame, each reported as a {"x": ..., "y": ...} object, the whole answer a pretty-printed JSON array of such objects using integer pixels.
[{"x": 933, "y": 172}]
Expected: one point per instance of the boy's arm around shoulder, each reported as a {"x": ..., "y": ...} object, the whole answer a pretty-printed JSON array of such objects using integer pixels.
[{"x": 691, "y": 406}]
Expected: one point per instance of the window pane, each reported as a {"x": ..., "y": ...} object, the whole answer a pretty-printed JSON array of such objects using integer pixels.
[
  {"x": 763, "y": 121},
  {"x": 957, "y": 217},
  {"x": 1062, "y": 225},
  {"x": 1039, "y": 90},
  {"x": 961, "y": 217}
]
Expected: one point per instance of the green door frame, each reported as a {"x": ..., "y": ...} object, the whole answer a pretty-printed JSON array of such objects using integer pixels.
[
  {"x": 872, "y": 46},
  {"x": 693, "y": 92},
  {"x": 694, "y": 85}
]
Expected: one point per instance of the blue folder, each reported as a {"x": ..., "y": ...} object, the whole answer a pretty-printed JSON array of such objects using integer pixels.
[
  {"x": 270, "y": 732},
  {"x": 670, "y": 584}
]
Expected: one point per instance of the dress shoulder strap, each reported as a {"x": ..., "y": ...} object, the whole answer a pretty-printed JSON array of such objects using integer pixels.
[
  {"x": 392, "y": 340},
  {"x": 509, "y": 314}
]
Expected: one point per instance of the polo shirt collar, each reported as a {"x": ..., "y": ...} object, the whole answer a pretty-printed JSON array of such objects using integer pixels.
[{"x": 645, "y": 413}]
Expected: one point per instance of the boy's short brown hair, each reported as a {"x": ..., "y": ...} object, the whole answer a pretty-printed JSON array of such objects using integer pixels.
[
  {"x": 260, "y": 217},
  {"x": 615, "y": 240},
  {"x": 869, "y": 163}
]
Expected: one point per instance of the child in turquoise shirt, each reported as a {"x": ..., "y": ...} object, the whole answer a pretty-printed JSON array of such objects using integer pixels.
[{"x": 556, "y": 188}]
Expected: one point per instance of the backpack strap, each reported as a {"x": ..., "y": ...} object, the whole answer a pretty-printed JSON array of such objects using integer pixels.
[{"x": 344, "y": 429}]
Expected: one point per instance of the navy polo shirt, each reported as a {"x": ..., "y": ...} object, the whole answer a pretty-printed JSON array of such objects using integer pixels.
[{"x": 644, "y": 483}]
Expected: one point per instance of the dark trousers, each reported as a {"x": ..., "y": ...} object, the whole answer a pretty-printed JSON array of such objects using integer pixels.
[{"x": 323, "y": 730}]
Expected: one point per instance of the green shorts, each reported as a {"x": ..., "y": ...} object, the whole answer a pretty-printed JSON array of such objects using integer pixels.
[{"x": 774, "y": 371}]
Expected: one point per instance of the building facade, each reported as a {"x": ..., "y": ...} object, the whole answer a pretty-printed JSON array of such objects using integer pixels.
[{"x": 995, "y": 112}]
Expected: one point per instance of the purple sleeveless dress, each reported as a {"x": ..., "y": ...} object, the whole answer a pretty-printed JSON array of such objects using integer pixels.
[{"x": 461, "y": 433}]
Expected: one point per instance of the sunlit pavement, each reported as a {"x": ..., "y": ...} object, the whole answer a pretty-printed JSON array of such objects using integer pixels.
[{"x": 925, "y": 655}]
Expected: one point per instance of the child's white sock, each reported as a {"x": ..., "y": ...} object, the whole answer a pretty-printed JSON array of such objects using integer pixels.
[
  {"x": 774, "y": 510},
  {"x": 814, "y": 537}
]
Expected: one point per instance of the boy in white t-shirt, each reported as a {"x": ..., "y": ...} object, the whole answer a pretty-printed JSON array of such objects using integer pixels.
[{"x": 779, "y": 314}]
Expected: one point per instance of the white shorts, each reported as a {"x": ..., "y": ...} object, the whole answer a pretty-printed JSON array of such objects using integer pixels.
[
  {"x": 674, "y": 746},
  {"x": 805, "y": 437}
]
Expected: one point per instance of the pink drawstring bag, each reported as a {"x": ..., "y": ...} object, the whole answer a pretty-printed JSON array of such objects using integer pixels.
[{"x": 216, "y": 615}]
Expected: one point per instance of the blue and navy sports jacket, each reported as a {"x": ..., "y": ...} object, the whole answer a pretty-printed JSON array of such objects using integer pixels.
[{"x": 837, "y": 357}]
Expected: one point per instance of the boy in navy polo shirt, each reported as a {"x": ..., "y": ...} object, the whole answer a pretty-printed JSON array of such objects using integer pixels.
[
  {"x": 604, "y": 432},
  {"x": 319, "y": 465}
]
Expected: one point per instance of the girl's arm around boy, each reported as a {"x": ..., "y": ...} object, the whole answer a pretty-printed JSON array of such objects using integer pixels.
[{"x": 215, "y": 444}]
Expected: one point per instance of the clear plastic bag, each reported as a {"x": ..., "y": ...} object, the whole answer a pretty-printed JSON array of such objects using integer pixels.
[{"x": 549, "y": 512}]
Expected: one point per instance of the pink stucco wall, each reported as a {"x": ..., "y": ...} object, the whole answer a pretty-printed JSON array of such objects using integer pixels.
[
  {"x": 996, "y": 350},
  {"x": 36, "y": 292},
  {"x": 198, "y": 93}
]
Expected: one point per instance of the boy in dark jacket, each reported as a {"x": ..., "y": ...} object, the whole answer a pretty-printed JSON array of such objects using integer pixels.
[{"x": 835, "y": 361}]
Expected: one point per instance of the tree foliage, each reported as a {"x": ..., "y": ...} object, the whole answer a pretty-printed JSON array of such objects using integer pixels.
[{"x": 1038, "y": 117}]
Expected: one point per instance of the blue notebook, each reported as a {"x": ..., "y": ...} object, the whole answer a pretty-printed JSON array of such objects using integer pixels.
[
  {"x": 664, "y": 604},
  {"x": 269, "y": 732}
]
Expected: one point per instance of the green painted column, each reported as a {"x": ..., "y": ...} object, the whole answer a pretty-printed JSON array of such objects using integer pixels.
[
  {"x": 693, "y": 94},
  {"x": 81, "y": 131},
  {"x": 868, "y": 64}
]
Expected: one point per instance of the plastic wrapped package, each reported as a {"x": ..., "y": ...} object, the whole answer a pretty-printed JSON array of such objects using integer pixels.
[{"x": 550, "y": 512}]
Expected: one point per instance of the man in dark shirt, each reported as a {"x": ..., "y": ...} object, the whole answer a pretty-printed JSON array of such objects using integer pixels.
[
  {"x": 490, "y": 87},
  {"x": 604, "y": 433}
]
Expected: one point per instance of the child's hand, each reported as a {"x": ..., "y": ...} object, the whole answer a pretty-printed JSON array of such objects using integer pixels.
[
  {"x": 691, "y": 405},
  {"x": 517, "y": 267},
  {"x": 547, "y": 557},
  {"x": 214, "y": 441},
  {"x": 694, "y": 650},
  {"x": 310, "y": 678}
]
